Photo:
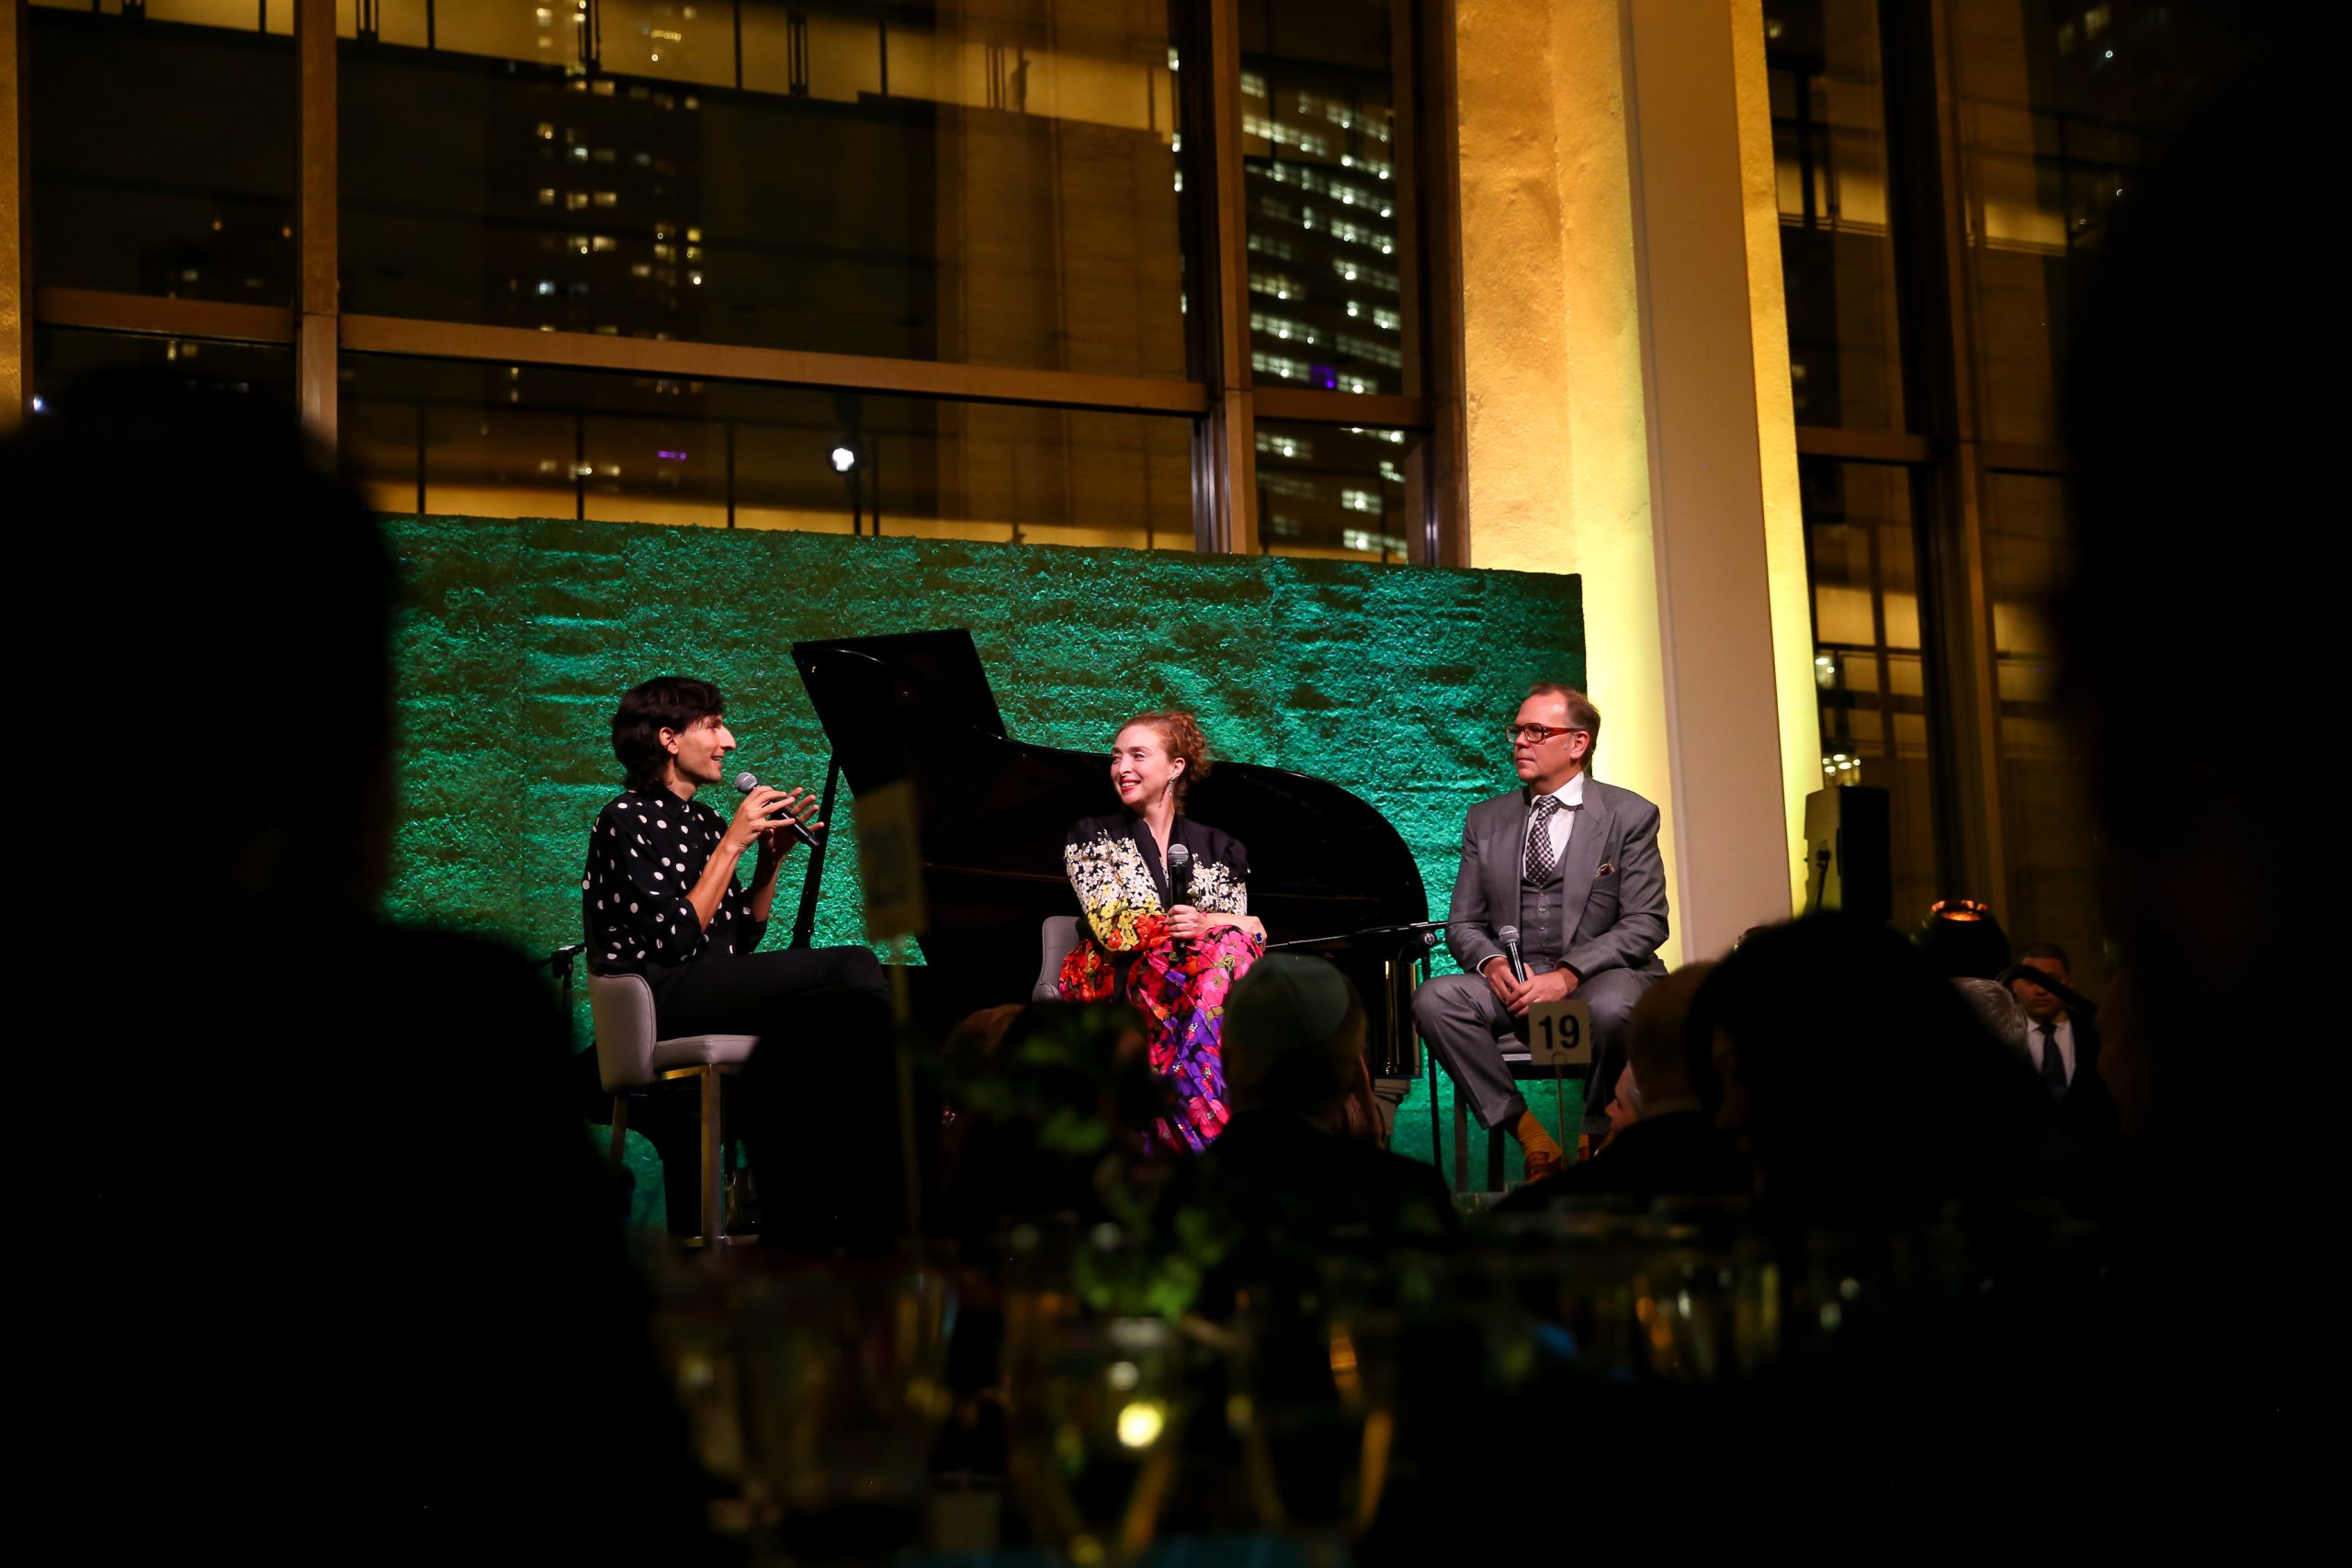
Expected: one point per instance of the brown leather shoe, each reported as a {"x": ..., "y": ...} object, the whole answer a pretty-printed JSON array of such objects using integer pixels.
[{"x": 1541, "y": 1162}]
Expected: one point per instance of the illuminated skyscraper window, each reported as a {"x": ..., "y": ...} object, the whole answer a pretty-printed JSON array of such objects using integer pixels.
[
  {"x": 1319, "y": 150},
  {"x": 1334, "y": 492}
]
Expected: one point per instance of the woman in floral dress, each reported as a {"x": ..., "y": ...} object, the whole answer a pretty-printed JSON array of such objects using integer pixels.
[{"x": 1173, "y": 960}]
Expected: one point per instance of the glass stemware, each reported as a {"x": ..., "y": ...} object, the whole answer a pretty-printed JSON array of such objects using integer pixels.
[
  {"x": 1314, "y": 1404},
  {"x": 1093, "y": 1414},
  {"x": 818, "y": 1392},
  {"x": 848, "y": 1392}
]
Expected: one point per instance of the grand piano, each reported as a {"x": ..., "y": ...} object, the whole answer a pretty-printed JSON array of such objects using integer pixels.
[{"x": 1329, "y": 874}]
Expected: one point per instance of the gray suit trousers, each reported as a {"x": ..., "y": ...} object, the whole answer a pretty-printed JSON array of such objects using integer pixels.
[{"x": 1469, "y": 1029}]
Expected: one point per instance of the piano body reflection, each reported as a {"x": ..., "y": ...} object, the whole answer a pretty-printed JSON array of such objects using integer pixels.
[{"x": 991, "y": 813}]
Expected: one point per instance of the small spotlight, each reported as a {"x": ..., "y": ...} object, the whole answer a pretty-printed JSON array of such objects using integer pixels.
[
  {"x": 38, "y": 406},
  {"x": 844, "y": 459}
]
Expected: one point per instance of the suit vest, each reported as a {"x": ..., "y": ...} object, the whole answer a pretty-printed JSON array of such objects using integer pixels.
[{"x": 1542, "y": 921}]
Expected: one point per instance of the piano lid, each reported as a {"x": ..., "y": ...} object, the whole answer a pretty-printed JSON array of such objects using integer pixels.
[
  {"x": 992, "y": 812},
  {"x": 869, "y": 692}
]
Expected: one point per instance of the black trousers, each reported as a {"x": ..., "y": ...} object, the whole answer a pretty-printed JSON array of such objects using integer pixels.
[
  {"x": 817, "y": 1107},
  {"x": 757, "y": 993}
]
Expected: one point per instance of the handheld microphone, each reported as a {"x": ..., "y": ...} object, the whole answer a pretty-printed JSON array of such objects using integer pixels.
[
  {"x": 1180, "y": 874},
  {"x": 792, "y": 825},
  {"x": 1180, "y": 878},
  {"x": 1509, "y": 937}
]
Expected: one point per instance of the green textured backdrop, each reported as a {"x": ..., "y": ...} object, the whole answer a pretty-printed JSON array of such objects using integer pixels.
[{"x": 519, "y": 637}]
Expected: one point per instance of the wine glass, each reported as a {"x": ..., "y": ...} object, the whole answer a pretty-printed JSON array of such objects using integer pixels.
[
  {"x": 1093, "y": 1414},
  {"x": 697, "y": 1335},
  {"x": 1314, "y": 1404},
  {"x": 844, "y": 1392}
]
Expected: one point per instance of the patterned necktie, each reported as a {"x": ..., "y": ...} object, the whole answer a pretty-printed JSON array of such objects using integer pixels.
[
  {"x": 2054, "y": 1065},
  {"x": 1540, "y": 867}
]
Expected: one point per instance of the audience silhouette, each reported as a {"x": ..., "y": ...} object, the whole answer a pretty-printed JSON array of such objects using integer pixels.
[
  {"x": 1672, "y": 1147},
  {"x": 363, "y": 1295},
  {"x": 1287, "y": 1182}
]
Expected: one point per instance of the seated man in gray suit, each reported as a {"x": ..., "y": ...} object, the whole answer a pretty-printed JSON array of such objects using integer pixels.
[{"x": 1573, "y": 863}]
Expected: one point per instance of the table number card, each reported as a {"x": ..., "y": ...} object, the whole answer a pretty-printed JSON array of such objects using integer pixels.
[{"x": 1559, "y": 1034}]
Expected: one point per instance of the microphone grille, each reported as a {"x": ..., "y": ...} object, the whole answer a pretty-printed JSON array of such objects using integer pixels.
[
  {"x": 1507, "y": 933},
  {"x": 1179, "y": 857},
  {"x": 746, "y": 782}
]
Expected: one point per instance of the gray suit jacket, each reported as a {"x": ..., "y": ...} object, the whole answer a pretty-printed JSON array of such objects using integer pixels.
[{"x": 1612, "y": 853}]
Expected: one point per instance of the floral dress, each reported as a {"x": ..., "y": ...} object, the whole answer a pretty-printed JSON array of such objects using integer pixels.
[{"x": 1115, "y": 869}]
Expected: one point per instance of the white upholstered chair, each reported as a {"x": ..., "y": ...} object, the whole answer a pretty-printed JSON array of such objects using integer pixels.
[
  {"x": 1057, "y": 936},
  {"x": 629, "y": 1057}
]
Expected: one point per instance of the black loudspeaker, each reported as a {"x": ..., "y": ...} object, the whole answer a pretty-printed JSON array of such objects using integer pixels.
[{"x": 1849, "y": 861}]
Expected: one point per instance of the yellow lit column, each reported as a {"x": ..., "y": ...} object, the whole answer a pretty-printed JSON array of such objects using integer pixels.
[
  {"x": 1551, "y": 351},
  {"x": 16, "y": 291},
  {"x": 1707, "y": 500},
  {"x": 1616, "y": 425}
]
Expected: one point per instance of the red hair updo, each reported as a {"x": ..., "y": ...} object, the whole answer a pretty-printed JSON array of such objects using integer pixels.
[{"x": 1180, "y": 733}]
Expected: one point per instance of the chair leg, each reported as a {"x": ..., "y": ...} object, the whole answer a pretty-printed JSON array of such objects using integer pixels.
[
  {"x": 1494, "y": 1159},
  {"x": 714, "y": 1183},
  {"x": 1437, "y": 1139},
  {"x": 618, "y": 1151},
  {"x": 1461, "y": 1142}
]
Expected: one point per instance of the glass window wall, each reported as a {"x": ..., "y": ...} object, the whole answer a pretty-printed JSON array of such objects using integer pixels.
[
  {"x": 2063, "y": 109},
  {"x": 979, "y": 205},
  {"x": 515, "y": 441},
  {"x": 1836, "y": 243},
  {"x": 2053, "y": 875},
  {"x": 62, "y": 356},
  {"x": 1341, "y": 492},
  {"x": 1869, "y": 663},
  {"x": 163, "y": 154},
  {"x": 957, "y": 181}
]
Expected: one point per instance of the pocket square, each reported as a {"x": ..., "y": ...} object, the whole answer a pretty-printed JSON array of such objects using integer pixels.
[{"x": 1608, "y": 868}]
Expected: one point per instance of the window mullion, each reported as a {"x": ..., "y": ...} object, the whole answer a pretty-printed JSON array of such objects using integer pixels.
[
  {"x": 1231, "y": 456},
  {"x": 317, "y": 301}
]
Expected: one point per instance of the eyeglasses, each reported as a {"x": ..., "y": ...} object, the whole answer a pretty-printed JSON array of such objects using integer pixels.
[{"x": 1537, "y": 733}]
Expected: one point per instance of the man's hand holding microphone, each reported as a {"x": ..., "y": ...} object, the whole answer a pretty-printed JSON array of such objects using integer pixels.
[{"x": 1506, "y": 974}]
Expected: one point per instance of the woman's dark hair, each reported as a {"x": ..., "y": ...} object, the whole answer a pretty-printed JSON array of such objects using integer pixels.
[{"x": 666, "y": 702}]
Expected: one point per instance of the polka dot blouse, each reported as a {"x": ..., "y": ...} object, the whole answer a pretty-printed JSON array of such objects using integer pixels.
[{"x": 650, "y": 846}]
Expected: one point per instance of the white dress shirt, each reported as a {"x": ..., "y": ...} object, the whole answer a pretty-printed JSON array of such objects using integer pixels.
[
  {"x": 2064, "y": 1038},
  {"x": 1563, "y": 822}
]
